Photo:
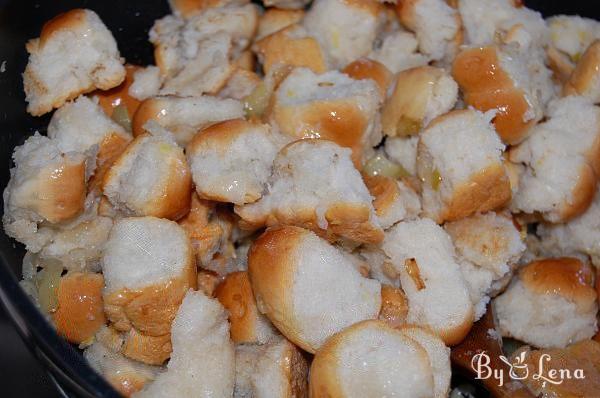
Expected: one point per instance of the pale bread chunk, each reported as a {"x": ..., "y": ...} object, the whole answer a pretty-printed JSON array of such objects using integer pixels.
[
  {"x": 331, "y": 21},
  {"x": 231, "y": 161},
  {"x": 203, "y": 360},
  {"x": 184, "y": 117},
  {"x": 459, "y": 160},
  {"x": 288, "y": 266},
  {"x": 561, "y": 159},
  {"x": 438, "y": 297},
  {"x": 74, "y": 54},
  {"x": 371, "y": 359},
  {"x": 563, "y": 288},
  {"x": 315, "y": 185}
]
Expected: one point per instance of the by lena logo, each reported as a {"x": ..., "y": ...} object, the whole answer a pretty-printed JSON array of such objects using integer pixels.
[{"x": 520, "y": 370}]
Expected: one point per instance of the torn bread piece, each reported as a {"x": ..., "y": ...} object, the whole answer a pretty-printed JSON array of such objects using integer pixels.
[
  {"x": 240, "y": 85},
  {"x": 288, "y": 265},
  {"x": 74, "y": 54},
  {"x": 563, "y": 287},
  {"x": 124, "y": 375},
  {"x": 420, "y": 95},
  {"x": 184, "y": 117},
  {"x": 275, "y": 19},
  {"x": 247, "y": 324},
  {"x": 365, "y": 68},
  {"x": 181, "y": 46},
  {"x": 231, "y": 161},
  {"x": 146, "y": 83},
  {"x": 571, "y": 35},
  {"x": 488, "y": 247},
  {"x": 423, "y": 255},
  {"x": 330, "y": 22},
  {"x": 292, "y": 47},
  {"x": 579, "y": 236},
  {"x": 79, "y": 246},
  {"x": 82, "y": 126},
  {"x": 277, "y": 369},
  {"x": 395, "y": 200},
  {"x": 206, "y": 73},
  {"x": 585, "y": 79},
  {"x": 483, "y": 20},
  {"x": 371, "y": 359},
  {"x": 148, "y": 266},
  {"x": 203, "y": 358},
  {"x": 315, "y": 185},
  {"x": 561, "y": 161},
  {"x": 330, "y": 106},
  {"x": 210, "y": 228},
  {"x": 150, "y": 178},
  {"x": 436, "y": 24},
  {"x": 438, "y": 354},
  {"x": 478, "y": 182},
  {"x": 497, "y": 78},
  {"x": 398, "y": 51},
  {"x": 46, "y": 186}
]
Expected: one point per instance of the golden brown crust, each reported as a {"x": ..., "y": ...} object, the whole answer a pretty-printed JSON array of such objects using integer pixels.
[
  {"x": 275, "y": 19},
  {"x": 235, "y": 293},
  {"x": 403, "y": 113},
  {"x": 204, "y": 233},
  {"x": 279, "y": 49},
  {"x": 187, "y": 8},
  {"x": 110, "y": 99},
  {"x": 295, "y": 367},
  {"x": 245, "y": 61},
  {"x": 151, "y": 350},
  {"x": 586, "y": 73},
  {"x": 151, "y": 309},
  {"x": 480, "y": 340},
  {"x": 582, "y": 195},
  {"x": 486, "y": 190},
  {"x": 373, "y": 7},
  {"x": 394, "y": 306},
  {"x": 80, "y": 310},
  {"x": 584, "y": 355},
  {"x": 339, "y": 121},
  {"x": 384, "y": 190},
  {"x": 365, "y": 68},
  {"x": 343, "y": 220},
  {"x": 565, "y": 276},
  {"x": 271, "y": 266},
  {"x": 174, "y": 202},
  {"x": 72, "y": 19},
  {"x": 111, "y": 147},
  {"x": 220, "y": 135},
  {"x": 127, "y": 383},
  {"x": 485, "y": 85},
  {"x": 60, "y": 193}
]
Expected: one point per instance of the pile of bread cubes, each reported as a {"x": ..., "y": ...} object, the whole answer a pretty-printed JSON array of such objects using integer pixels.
[{"x": 314, "y": 199}]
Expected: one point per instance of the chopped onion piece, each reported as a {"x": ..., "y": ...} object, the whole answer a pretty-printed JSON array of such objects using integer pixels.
[
  {"x": 48, "y": 280},
  {"x": 379, "y": 165},
  {"x": 121, "y": 116}
]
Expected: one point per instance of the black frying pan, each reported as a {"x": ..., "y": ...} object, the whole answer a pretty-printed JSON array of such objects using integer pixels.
[{"x": 129, "y": 21}]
